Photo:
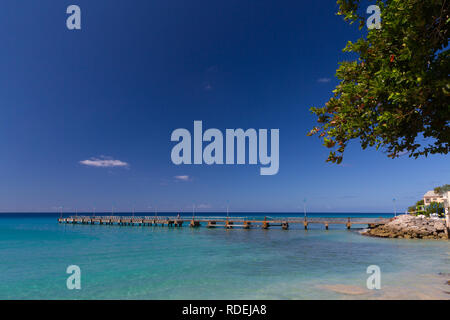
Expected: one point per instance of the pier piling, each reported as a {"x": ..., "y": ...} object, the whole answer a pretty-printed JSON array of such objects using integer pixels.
[
  {"x": 211, "y": 224},
  {"x": 194, "y": 224}
]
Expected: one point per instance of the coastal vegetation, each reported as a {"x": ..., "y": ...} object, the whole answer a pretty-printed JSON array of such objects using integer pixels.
[
  {"x": 420, "y": 208},
  {"x": 435, "y": 207},
  {"x": 442, "y": 189},
  {"x": 396, "y": 95},
  {"x": 427, "y": 210}
]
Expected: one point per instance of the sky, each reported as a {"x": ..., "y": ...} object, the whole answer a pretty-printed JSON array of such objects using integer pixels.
[{"x": 86, "y": 115}]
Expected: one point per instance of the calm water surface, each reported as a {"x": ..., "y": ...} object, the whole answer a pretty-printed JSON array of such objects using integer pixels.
[{"x": 183, "y": 263}]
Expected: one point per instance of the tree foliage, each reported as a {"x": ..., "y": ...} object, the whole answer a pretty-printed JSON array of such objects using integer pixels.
[
  {"x": 396, "y": 95},
  {"x": 442, "y": 189},
  {"x": 434, "y": 207},
  {"x": 415, "y": 208}
]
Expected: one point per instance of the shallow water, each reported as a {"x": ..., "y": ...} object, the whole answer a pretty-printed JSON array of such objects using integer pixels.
[{"x": 124, "y": 262}]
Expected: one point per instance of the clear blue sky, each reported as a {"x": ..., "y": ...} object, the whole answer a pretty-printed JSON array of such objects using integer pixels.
[{"x": 140, "y": 69}]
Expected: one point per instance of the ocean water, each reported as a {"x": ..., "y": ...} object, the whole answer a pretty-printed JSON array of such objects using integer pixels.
[{"x": 125, "y": 262}]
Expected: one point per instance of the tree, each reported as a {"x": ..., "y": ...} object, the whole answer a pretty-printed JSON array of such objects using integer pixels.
[
  {"x": 417, "y": 208},
  {"x": 396, "y": 95},
  {"x": 442, "y": 189},
  {"x": 434, "y": 207}
]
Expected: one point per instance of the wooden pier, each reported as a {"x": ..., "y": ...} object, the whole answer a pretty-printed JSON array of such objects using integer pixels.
[{"x": 221, "y": 222}]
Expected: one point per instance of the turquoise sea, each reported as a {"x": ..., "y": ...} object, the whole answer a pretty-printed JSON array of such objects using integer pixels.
[{"x": 125, "y": 262}]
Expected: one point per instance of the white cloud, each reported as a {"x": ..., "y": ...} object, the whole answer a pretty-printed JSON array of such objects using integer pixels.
[
  {"x": 323, "y": 80},
  {"x": 182, "y": 178},
  {"x": 104, "y": 162},
  {"x": 204, "y": 206}
]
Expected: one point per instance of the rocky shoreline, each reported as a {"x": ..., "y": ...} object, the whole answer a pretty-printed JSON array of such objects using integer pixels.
[{"x": 410, "y": 227}]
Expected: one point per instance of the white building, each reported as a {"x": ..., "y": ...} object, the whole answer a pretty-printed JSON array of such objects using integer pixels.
[
  {"x": 444, "y": 198},
  {"x": 432, "y": 196}
]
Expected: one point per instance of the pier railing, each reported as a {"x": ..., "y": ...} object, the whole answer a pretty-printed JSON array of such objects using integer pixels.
[{"x": 227, "y": 222}]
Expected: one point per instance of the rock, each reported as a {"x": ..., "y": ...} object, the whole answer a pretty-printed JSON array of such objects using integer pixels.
[{"x": 409, "y": 227}]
